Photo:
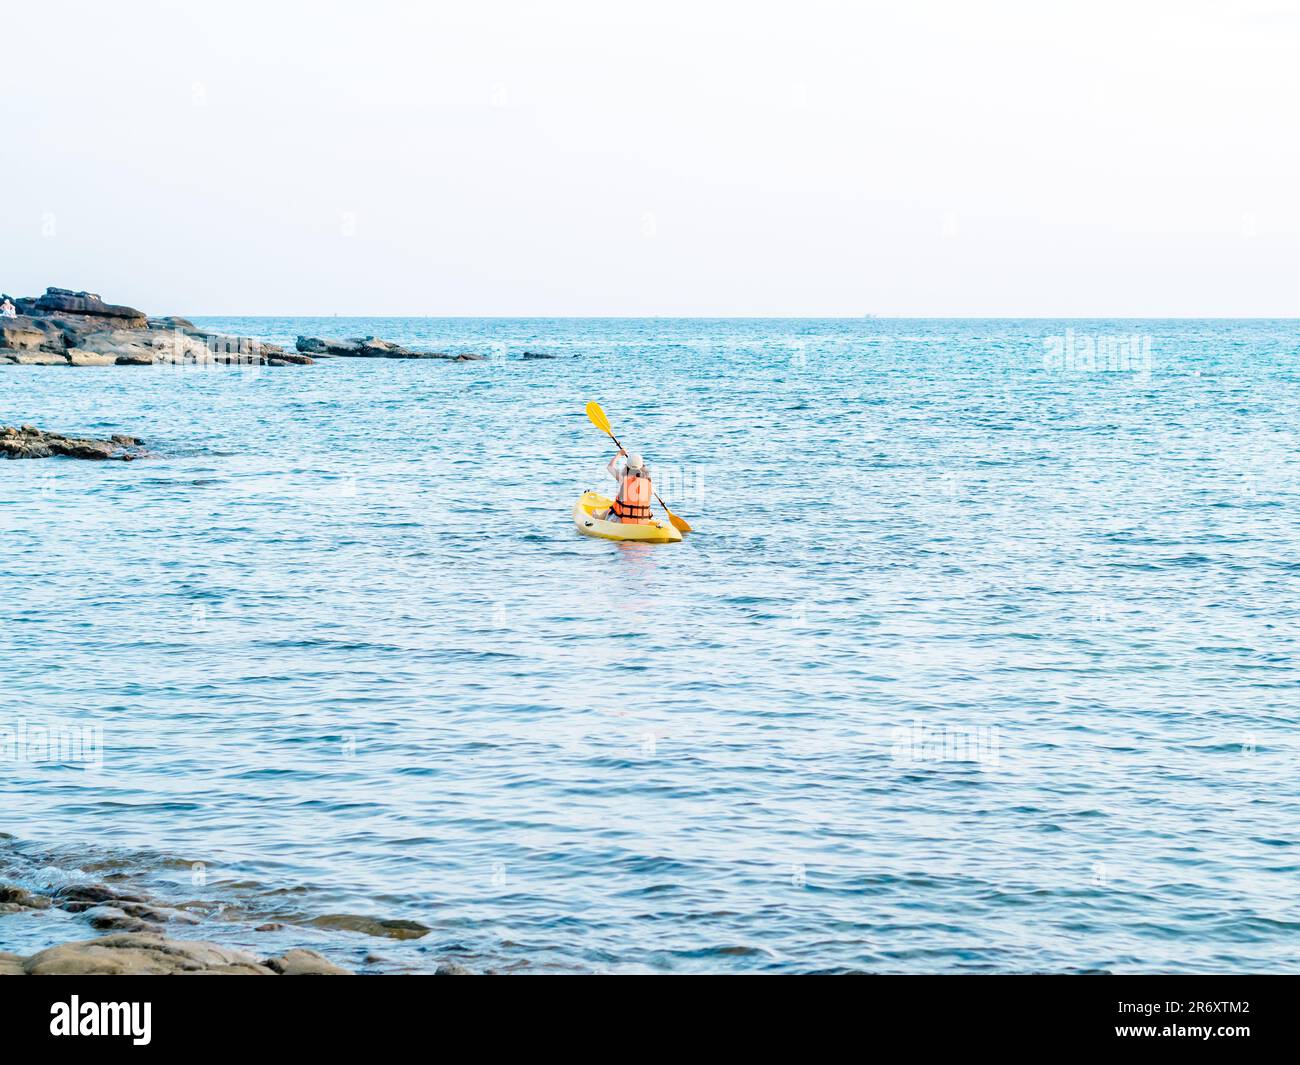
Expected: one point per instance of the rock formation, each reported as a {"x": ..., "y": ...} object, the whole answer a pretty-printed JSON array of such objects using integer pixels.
[
  {"x": 66, "y": 328},
  {"x": 28, "y": 442},
  {"x": 369, "y": 347}
]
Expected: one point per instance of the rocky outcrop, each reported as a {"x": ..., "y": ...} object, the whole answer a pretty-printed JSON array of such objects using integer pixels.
[
  {"x": 373, "y": 926},
  {"x": 301, "y": 962},
  {"x": 369, "y": 347},
  {"x": 66, "y": 328},
  {"x": 28, "y": 442},
  {"x": 90, "y": 304},
  {"x": 136, "y": 954},
  {"x": 139, "y": 944}
]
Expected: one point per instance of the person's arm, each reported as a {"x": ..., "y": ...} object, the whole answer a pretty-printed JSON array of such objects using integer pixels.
[{"x": 617, "y": 465}]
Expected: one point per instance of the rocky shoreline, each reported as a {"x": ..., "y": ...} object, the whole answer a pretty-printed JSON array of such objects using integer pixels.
[
  {"x": 137, "y": 942},
  {"x": 28, "y": 442},
  {"x": 64, "y": 327},
  {"x": 67, "y": 328}
]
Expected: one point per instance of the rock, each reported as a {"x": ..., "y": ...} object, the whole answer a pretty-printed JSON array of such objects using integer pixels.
[
  {"x": 11, "y": 965},
  {"x": 318, "y": 346},
  {"x": 141, "y": 953},
  {"x": 77, "y": 357},
  {"x": 20, "y": 334},
  {"x": 374, "y": 348},
  {"x": 173, "y": 322},
  {"x": 69, "y": 328},
  {"x": 364, "y": 348},
  {"x": 470, "y": 356},
  {"x": 112, "y": 919},
  {"x": 450, "y": 968},
  {"x": 38, "y": 358},
  {"x": 23, "y": 898},
  {"x": 270, "y": 926},
  {"x": 372, "y": 926},
  {"x": 28, "y": 442},
  {"x": 91, "y": 894},
  {"x": 148, "y": 911},
  {"x": 300, "y": 962},
  {"x": 65, "y": 301},
  {"x": 538, "y": 355},
  {"x": 141, "y": 346}
]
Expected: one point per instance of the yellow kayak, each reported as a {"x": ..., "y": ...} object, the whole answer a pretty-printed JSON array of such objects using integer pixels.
[{"x": 593, "y": 503}]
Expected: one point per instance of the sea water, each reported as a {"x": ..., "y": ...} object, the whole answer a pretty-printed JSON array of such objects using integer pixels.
[{"x": 982, "y": 655}]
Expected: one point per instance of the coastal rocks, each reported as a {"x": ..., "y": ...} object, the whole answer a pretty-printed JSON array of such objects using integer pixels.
[
  {"x": 22, "y": 899},
  {"x": 373, "y": 926},
  {"x": 66, "y": 301},
  {"x": 374, "y": 348},
  {"x": 285, "y": 358},
  {"x": 138, "y": 944},
  {"x": 66, "y": 328},
  {"x": 148, "y": 953},
  {"x": 111, "y": 919},
  {"x": 174, "y": 322},
  {"x": 451, "y": 968},
  {"x": 34, "y": 358},
  {"x": 369, "y": 347},
  {"x": 91, "y": 358},
  {"x": 302, "y": 962},
  {"x": 28, "y": 442},
  {"x": 20, "y": 334},
  {"x": 74, "y": 897},
  {"x": 135, "y": 953}
]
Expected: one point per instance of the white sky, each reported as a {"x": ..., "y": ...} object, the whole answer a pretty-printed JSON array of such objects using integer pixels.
[{"x": 910, "y": 158}]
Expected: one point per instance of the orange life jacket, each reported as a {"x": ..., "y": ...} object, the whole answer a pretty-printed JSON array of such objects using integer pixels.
[{"x": 632, "y": 504}]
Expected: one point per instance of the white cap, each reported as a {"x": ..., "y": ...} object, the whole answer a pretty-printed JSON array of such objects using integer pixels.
[{"x": 635, "y": 462}]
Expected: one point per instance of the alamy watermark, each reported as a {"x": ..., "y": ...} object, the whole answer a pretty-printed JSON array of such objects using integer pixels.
[
  {"x": 52, "y": 743},
  {"x": 920, "y": 742},
  {"x": 1098, "y": 353}
]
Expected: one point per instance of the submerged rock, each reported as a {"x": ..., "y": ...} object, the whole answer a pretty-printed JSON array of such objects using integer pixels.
[
  {"x": 372, "y": 926},
  {"x": 28, "y": 442}
]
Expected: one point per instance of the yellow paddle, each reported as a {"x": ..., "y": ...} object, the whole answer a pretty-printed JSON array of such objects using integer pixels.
[{"x": 599, "y": 420}]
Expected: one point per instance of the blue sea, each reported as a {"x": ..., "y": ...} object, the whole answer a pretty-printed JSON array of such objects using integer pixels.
[{"x": 982, "y": 656}]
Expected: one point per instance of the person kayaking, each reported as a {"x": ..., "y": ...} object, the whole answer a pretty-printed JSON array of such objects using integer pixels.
[{"x": 632, "y": 503}]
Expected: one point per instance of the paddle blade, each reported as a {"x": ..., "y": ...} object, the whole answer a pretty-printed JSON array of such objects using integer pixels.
[
  {"x": 680, "y": 524},
  {"x": 598, "y": 418}
]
